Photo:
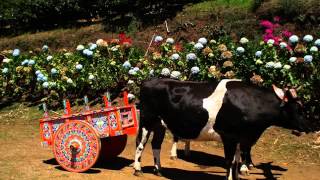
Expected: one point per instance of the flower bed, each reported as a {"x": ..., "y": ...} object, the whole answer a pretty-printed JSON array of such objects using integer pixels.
[{"x": 284, "y": 60}]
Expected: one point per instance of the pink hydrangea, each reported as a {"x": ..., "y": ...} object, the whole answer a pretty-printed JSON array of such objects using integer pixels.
[{"x": 266, "y": 24}]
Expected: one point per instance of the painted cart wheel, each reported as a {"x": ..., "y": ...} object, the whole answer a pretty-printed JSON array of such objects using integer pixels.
[
  {"x": 76, "y": 146},
  {"x": 111, "y": 147}
]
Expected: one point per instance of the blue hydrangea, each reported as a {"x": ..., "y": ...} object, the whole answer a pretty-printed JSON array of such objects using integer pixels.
[
  {"x": 40, "y": 75},
  {"x": 294, "y": 39},
  {"x": 292, "y": 59},
  {"x": 45, "y": 78},
  {"x": 5, "y": 70},
  {"x": 158, "y": 39},
  {"x": 191, "y": 57},
  {"x": 240, "y": 50},
  {"x": 308, "y": 38},
  {"x": 45, "y": 47},
  {"x": 136, "y": 69},
  {"x": 126, "y": 65},
  {"x": 93, "y": 47},
  {"x": 175, "y": 56},
  {"x": 317, "y": 42},
  {"x": 16, "y": 52},
  {"x": 195, "y": 70},
  {"x": 25, "y": 62},
  {"x": 79, "y": 66},
  {"x": 31, "y": 62},
  {"x": 308, "y": 58},
  {"x": 258, "y": 54},
  {"x": 45, "y": 85},
  {"x": 54, "y": 71},
  {"x": 198, "y": 46},
  {"x": 202, "y": 41},
  {"x": 38, "y": 72}
]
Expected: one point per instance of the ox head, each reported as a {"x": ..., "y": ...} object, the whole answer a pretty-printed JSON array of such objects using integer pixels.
[{"x": 292, "y": 110}]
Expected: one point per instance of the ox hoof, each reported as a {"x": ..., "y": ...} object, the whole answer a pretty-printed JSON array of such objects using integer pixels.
[
  {"x": 173, "y": 157},
  {"x": 157, "y": 172},
  {"x": 244, "y": 170},
  {"x": 138, "y": 173},
  {"x": 251, "y": 166}
]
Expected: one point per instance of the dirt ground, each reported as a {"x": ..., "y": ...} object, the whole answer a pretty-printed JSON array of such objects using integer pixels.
[{"x": 22, "y": 157}]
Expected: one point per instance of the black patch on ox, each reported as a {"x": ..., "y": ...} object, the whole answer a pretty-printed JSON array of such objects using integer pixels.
[{"x": 179, "y": 103}]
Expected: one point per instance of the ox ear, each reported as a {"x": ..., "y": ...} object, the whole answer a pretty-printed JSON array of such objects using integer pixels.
[
  {"x": 280, "y": 93},
  {"x": 293, "y": 93}
]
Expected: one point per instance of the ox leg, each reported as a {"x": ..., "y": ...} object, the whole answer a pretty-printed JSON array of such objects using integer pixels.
[
  {"x": 187, "y": 148},
  {"x": 141, "y": 141},
  {"x": 246, "y": 164},
  {"x": 173, "y": 152},
  {"x": 157, "y": 140},
  {"x": 231, "y": 153}
]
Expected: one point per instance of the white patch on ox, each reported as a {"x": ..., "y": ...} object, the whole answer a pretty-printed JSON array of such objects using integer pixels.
[
  {"x": 140, "y": 148},
  {"x": 213, "y": 104}
]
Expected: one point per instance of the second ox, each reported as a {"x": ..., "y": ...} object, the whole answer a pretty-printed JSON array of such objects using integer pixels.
[{"x": 229, "y": 111}]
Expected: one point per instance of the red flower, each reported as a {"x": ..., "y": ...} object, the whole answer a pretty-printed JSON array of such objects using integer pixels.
[
  {"x": 266, "y": 24},
  {"x": 178, "y": 47},
  {"x": 125, "y": 40}
]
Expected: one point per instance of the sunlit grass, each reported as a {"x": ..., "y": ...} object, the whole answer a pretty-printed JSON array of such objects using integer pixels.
[{"x": 211, "y": 5}]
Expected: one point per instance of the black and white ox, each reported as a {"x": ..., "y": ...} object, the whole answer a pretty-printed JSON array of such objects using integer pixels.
[{"x": 229, "y": 111}]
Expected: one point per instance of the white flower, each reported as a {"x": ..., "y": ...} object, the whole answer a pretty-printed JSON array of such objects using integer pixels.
[
  {"x": 45, "y": 47},
  {"x": 283, "y": 45},
  {"x": 68, "y": 54},
  {"x": 93, "y": 46},
  {"x": 80, "y": 47},
  {"x": 6, "y": 60},
  {"x": 130, "y": 82},
  {"x": 294, "y": 39},
  {"x": 259, "y": 61},
  {"x": 25, "y": 62},
  {"x": 191, "y": 57},
  {"x": 49, "y": 58},
  {"x": 175, "y": 56},
  {"x": 244, "y": 40},
  {"x": 212, "y": 41},
  {"x": 195, "y": 70},
  {"x": 317, "y": 42},
  {"x": 100, "y": 42},
  {"x": 151, "y": 72},
  {"x": 54, "y": 71},
  {"x": 91, "y": 77},
  {"x": 69, "y": 80},
  {"x": 114, "y": 48},
  {"x": 170, "y": 41},
  {"x": 240, "y": 50},
  {"x": 278, "y": 65},
  {"x": 136, "y": 69},
  {"x": 31, "y": 62},
  {"x": 258, "y": 53},
  {"x": 38, "y": 72},
  {"x": 132, "y": 72},
  {"x": 293, "y": 59},
  {"x": 270, "y": 64},
  {"x": 131, "y": 96},
  {"x": 314, "y": 49},
  {"x": 126, "y": 65},
  {"x": 287, "y": 67},
  {"x": 45, "y": 85},
  {"x": 210, "y": 55},
  {"x": 202, "y": 41},
  {"x": 165, "y": 72},
  {"x": 158, "y": 39},
  {"x": 198, "y": 46},
  {"x": 5, "y": 70},
  {"x": 175, "y": 74},
  {"x": 79, "y": 66},
  {"x": 308, "y": 58},
  {"x": 270, "y": 42},
  {"x": 308, "y": 38},
  {"x": 16, "y": 52}
]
